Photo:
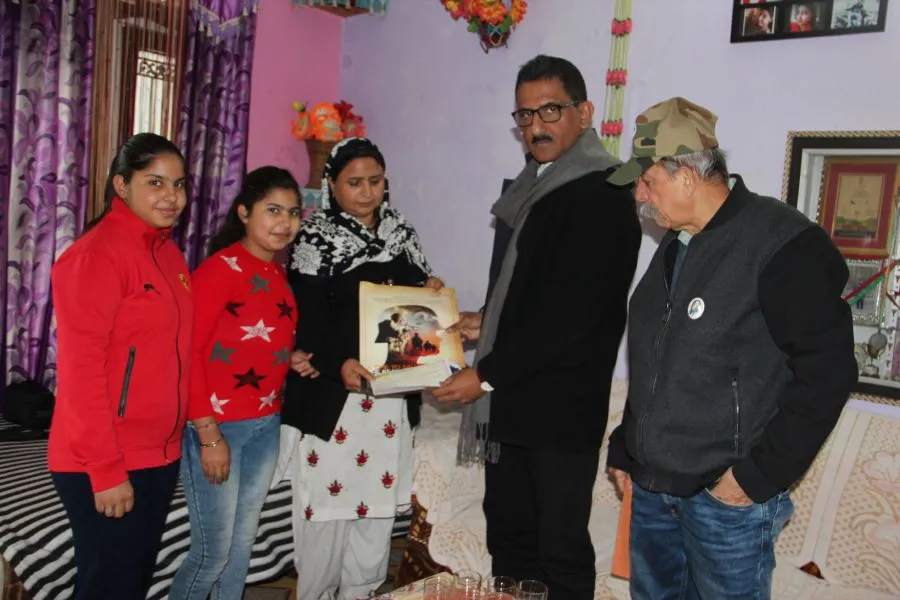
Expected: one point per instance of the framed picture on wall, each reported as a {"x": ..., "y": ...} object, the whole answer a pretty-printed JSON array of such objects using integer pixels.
[
  {"x": 822, "y": 171},
  {"x": 806, "y": 152},
  {"x": 857, "y": 204},
  {"x": 756, "y": 21},
  {"x": 868, "y": 310}
]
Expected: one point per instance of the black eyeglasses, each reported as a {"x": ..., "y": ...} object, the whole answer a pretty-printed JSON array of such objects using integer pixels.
[{"x": 549, "y": 113}]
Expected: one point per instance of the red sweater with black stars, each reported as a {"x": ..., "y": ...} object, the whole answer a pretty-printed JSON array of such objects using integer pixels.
[{"x": 245, "y": 320}]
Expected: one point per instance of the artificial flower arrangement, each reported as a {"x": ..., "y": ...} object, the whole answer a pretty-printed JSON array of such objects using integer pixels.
[
  {"x": 326, "y": 122},
  {"x": 492, "y": 20}
]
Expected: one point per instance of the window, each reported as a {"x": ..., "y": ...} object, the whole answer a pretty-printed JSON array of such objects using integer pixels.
[
  {"x": 154, "y": 95},
  {"x": 138, "y": 59}
]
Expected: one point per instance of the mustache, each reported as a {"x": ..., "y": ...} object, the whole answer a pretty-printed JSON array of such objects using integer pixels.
[
  {"x": 540, "y": 138},
  {"x": 647, "y": 211}
]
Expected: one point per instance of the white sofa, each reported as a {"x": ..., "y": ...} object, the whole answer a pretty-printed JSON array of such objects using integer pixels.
[{"x": 846, "y": 520}]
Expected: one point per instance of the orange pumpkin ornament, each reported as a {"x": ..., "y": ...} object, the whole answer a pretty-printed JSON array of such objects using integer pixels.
[{"x": 325, "y": 123}]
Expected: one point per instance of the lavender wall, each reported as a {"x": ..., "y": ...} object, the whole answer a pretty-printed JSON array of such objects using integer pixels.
[{"x": 439, "y": 107}]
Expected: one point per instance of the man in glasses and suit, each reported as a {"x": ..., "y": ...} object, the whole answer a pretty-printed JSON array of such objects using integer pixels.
[{"x": 566, "y": 243}]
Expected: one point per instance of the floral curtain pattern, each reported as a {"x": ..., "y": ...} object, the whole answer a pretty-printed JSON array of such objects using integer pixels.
[
  {"x": 214, "y": 115},
  {"x": 46, "y": 54}
]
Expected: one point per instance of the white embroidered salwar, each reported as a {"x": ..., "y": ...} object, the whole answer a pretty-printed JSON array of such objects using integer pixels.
[
  {"x": 347, "y": 492},
  {"x": 341, "y": 560},
  {"x": 364, "y": 470}
]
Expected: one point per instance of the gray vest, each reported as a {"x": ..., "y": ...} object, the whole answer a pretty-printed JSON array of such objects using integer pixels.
[{"x": 705, "y": 374}]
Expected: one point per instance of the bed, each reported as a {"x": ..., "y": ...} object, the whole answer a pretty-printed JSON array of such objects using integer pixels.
[
  {"x": 36, "y": 542},
  {"x": 842, "y": 542}
]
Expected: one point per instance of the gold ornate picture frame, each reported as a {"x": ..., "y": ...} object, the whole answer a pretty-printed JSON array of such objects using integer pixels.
[
  {"x": 822, "y": 171},
  {"x": 833, "y": 143}
]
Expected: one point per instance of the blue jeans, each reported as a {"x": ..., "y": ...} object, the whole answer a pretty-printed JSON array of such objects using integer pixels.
[
  {"x": 701, "y": 548},
  {"x": 224, "y": 518}
]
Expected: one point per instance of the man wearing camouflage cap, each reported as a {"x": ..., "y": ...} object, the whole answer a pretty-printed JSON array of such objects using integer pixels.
[{"x": 740, "y": 362}]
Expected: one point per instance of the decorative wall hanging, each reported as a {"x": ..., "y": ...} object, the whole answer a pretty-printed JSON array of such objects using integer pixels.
[
  {"x": 755, "y": 21},
  {"x": 849, "y": 182},
  {"x": 616, "y": 77},
  {"x": 348, "y": 8},
  {"x": 321, "y": 127},
  {"x": 493, "y": 20}
]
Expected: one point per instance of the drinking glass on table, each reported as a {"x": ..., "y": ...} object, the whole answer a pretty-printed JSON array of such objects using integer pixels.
[
  {"x": 440, "y": 588},
  {"x": 468, "y": 585},
  {"x": 500, "y": 588},
  {"x": 530, "y": 589}
]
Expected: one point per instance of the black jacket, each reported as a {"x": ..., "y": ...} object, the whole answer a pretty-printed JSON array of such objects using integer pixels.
[
  {"x": 328, "y": 326},
  {"x": 745, "y": 360},
  {"x": 563, "y": 318}
]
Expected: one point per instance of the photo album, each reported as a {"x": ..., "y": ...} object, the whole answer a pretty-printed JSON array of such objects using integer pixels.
[{"x": 403, "y": 340}]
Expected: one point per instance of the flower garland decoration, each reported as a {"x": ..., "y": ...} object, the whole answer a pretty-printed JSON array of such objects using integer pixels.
[
  {"x": 493, "y": 20},
  {"x": 326, "y": 122},
  {"x": 616, "y": 77}
]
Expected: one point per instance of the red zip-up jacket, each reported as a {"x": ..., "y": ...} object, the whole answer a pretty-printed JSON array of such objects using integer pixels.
[{"x": 124, "y": 314}]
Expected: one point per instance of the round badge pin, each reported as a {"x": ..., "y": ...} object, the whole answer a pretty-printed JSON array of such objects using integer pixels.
[{"x": 696, "y": 308}]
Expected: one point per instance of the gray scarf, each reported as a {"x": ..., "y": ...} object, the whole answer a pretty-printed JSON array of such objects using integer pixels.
[{"x": 513, "y": 207}]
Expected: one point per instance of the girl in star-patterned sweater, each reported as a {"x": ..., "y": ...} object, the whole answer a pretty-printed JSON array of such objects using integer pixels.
[{"x": 244, "y": 330}]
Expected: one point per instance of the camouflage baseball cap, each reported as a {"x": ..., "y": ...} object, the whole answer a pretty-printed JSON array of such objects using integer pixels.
[{"x": 670, "y": 128}]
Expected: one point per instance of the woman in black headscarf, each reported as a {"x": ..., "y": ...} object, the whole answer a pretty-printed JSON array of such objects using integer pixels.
[{"x": 352, "y": 466}]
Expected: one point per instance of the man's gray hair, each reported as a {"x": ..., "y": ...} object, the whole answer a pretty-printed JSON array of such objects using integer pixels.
[{"x": 709, "y": 165}]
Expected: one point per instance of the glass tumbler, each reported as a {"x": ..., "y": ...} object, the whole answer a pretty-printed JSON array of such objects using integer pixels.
[
  {"x": 531, "y": 589},
  {"x": 440, "y": 588},
  {"x": 500, "y": 588},
  {"x": 468, "y": 585}
]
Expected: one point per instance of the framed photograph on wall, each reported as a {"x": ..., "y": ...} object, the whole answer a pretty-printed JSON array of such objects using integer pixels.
[
  {"x": 805, "y": 156},
  {"x": 822, "y": 171},
  {"x": 857, "y": 204},
  {"x": 868, "y": 310},
  {"x": 756, "y": 21}
]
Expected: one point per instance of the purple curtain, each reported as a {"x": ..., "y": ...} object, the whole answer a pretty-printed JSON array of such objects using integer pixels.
[
  {"x": 214, "y": 115},
  {"x": 46, "y": 53}
]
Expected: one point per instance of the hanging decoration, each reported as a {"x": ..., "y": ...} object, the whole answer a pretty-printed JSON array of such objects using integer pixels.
[
  {"x": 348, "y": 8},
  {"x": 493, "y": 20},
  {"x": 616, "y": 77}
]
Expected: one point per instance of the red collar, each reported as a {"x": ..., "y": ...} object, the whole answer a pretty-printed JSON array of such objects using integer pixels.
[{"x": 132, "y": 225}]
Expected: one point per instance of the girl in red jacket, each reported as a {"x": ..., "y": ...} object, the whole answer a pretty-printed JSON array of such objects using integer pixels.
[
  {"x": 245, "y": 324},
  {"x": 123, "y": 311}
]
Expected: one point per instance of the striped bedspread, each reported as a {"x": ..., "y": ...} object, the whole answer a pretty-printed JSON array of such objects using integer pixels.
[{"x": 36, "y": 541}]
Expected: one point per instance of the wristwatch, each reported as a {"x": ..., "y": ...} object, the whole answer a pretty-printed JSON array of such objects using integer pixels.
[{"x": 485, "y": 386}]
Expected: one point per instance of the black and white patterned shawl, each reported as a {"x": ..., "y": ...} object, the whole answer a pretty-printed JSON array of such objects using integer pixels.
[{"x": 332, "y": 242}]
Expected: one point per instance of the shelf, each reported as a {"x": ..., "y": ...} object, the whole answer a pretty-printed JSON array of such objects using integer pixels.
[
  {"x": 347, "y": 8},
  {"x": 343, "y": 11}
]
